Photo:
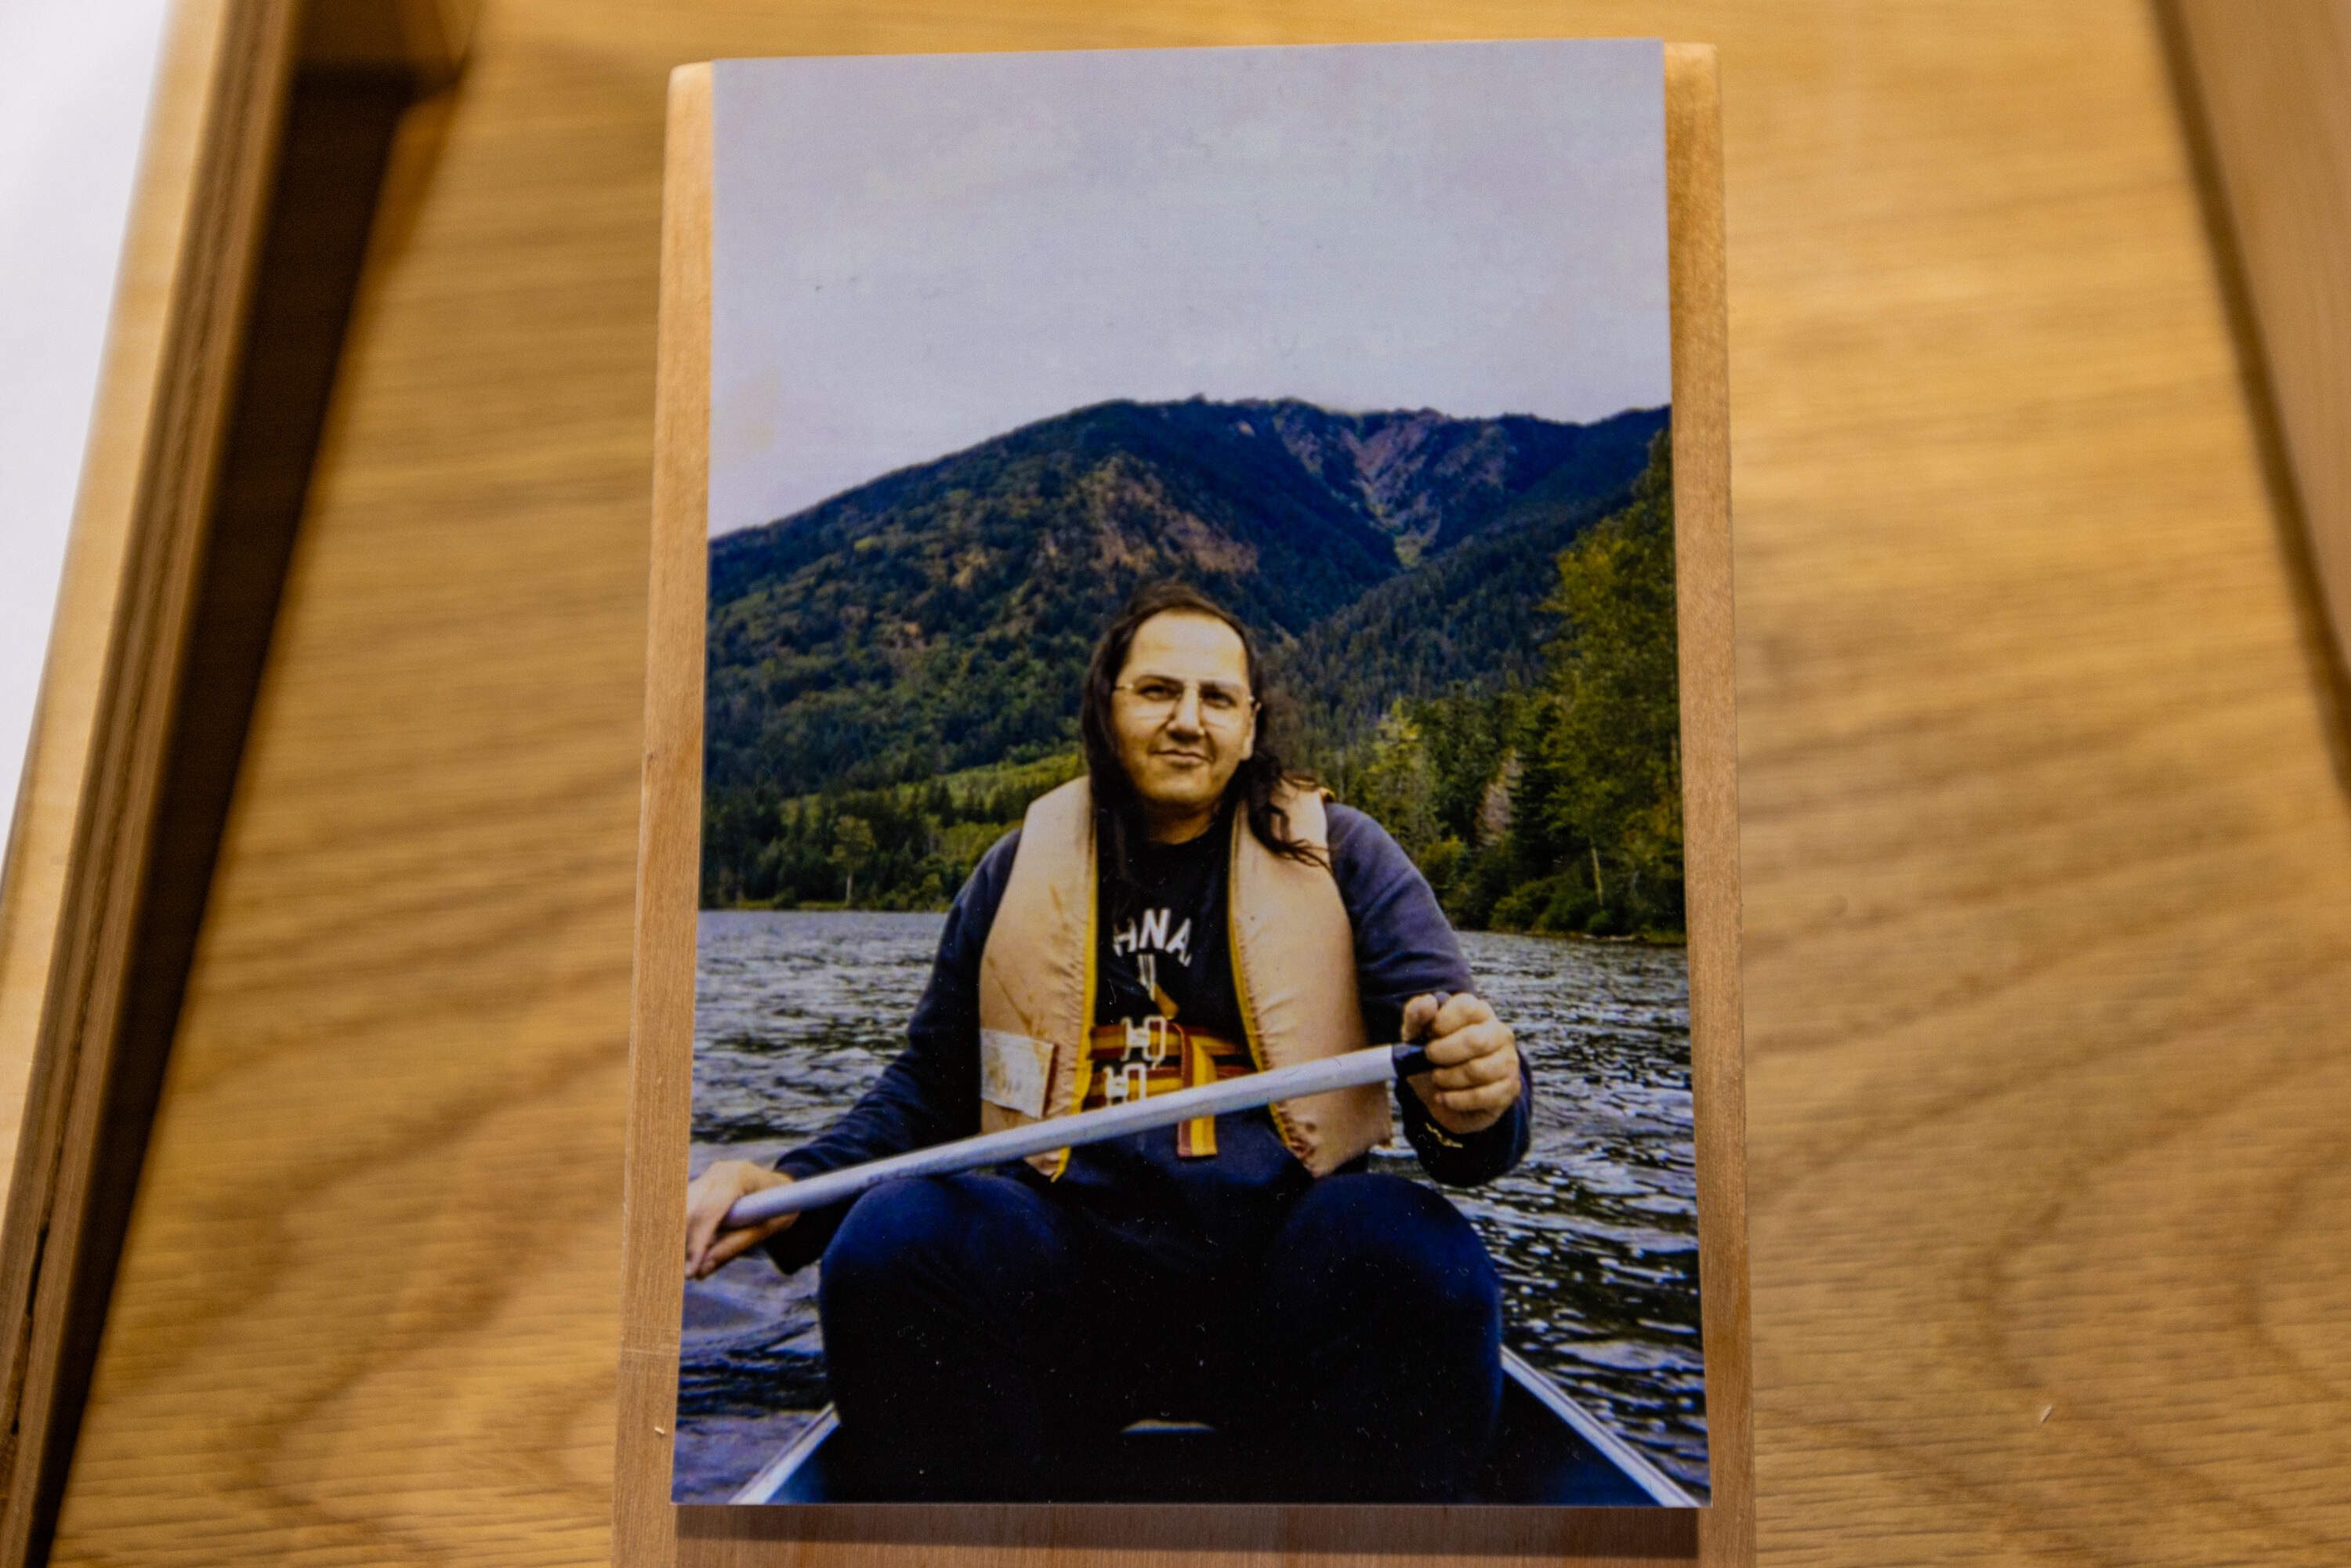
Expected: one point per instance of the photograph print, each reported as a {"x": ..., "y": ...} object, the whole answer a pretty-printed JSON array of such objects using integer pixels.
[{"x": 1191, "y": 999}]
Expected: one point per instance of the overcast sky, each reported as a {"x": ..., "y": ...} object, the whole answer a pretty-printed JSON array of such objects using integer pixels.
[{"x": 913, "y": 254}]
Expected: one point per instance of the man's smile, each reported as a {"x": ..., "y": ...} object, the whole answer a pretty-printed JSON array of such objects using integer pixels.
[{"x": 1182, "y": 718}]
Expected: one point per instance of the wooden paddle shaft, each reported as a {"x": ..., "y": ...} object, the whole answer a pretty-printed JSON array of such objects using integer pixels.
[{"x": 1377, "y": 1064}]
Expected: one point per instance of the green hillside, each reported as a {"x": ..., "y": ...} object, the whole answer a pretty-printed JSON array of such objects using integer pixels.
[
  {"x": 1470, "y": 618},
  {"x": 1554, "y": 804},
  {"x": 894, "y": 672}
]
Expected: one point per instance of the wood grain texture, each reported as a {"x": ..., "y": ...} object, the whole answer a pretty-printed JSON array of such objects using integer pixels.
[
  {"x": 669, "y": 851},
  {"x": 1705, "y": 626},
  {"x": 158, "y": 274},
  {"x": 647, "y": 1529},
  {"x": 2047, "y": 870},
  {"x": 208, "y": 418},
  {"x": 123, "y": 639},
  {"x": 2270, "y": 92},
  {"x": 32, "y": 888},
  {"x": 424, "y": 39}
]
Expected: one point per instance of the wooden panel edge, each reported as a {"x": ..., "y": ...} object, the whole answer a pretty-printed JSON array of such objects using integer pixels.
[
  {"x": 238, "y": 65},
  {"x": 1709, "y": 720},
  {"x": 32, "y": 881},
  {"x": 2264, "y": 92},
  {"x": 661, "y": 1026},
  {"x": 426, "y": 40}
]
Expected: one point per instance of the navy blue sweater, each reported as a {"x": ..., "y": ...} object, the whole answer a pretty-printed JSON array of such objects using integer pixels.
[{"x": 1196, "y": 1211}]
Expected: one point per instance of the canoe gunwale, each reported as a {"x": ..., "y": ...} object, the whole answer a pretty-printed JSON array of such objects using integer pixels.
[
  {"x": 1636, "y": 1467},
  {"x": 763, "y": 1486}
]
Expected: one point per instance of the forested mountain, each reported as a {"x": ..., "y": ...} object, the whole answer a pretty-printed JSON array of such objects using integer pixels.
[
  {"x": 1554, "y": 804},
  {"x": 937, "y": 619},
  {"x": 1429, "y": 482},
  {"x": 1471, "y": 616}
]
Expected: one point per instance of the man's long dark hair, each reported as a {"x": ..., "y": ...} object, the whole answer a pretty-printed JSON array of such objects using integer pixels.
[{"x": 1117, "y": 813}]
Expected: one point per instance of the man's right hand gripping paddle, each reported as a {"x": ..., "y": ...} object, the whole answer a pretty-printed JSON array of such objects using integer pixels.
[{"x": 714, "y": 1192}]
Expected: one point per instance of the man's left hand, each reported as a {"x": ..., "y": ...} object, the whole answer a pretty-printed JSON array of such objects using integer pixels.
[{"x": 1476, "y": 1057}]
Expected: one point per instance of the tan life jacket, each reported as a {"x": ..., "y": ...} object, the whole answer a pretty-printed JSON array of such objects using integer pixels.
[{"x": 1293, "y": 962}]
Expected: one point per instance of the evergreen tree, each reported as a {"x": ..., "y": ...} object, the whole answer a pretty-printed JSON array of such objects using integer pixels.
[
  {"x": 1616, "y": 744},
  {"x": 852, "y": 846}
]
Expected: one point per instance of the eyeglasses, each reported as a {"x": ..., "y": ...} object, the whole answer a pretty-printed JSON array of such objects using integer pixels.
[{"x": 1156, "y": 697}]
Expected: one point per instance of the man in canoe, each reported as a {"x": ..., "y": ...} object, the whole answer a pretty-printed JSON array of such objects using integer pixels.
[{"x": 1185, "y": 912}]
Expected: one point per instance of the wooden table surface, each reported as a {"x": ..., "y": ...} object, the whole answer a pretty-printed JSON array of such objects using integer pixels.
[{"x": 2046, "y": 847}]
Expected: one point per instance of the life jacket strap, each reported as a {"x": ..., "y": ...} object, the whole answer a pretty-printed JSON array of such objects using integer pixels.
[{"x": 1159, "y": 1056}]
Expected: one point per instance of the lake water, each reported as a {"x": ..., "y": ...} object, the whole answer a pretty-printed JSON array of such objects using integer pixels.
[{"x": 1595, "y": 1234}]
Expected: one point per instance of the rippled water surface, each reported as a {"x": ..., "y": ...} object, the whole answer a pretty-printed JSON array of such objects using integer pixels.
[{"x": 1595, "y": 1233}]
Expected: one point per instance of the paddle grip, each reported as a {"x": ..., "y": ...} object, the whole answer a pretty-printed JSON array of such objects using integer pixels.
[{"x": 1411, "y": 1057}]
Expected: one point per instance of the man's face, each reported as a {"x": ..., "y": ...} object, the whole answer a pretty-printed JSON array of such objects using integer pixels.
[{"x": 1185, "y": 717}]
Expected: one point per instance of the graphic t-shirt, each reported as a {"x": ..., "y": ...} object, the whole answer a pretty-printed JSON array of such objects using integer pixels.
[{"x": 1167, "y": 1014}]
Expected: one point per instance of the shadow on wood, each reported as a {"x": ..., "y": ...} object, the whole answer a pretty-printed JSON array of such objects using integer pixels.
[{"x": 258, "y": 320}]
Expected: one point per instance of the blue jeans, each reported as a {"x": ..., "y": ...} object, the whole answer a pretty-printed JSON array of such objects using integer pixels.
[{"x": 987, "y": 1340}]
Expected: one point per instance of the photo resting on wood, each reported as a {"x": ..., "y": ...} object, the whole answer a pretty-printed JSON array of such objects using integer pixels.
[{"x": 1191, "y": 701}]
